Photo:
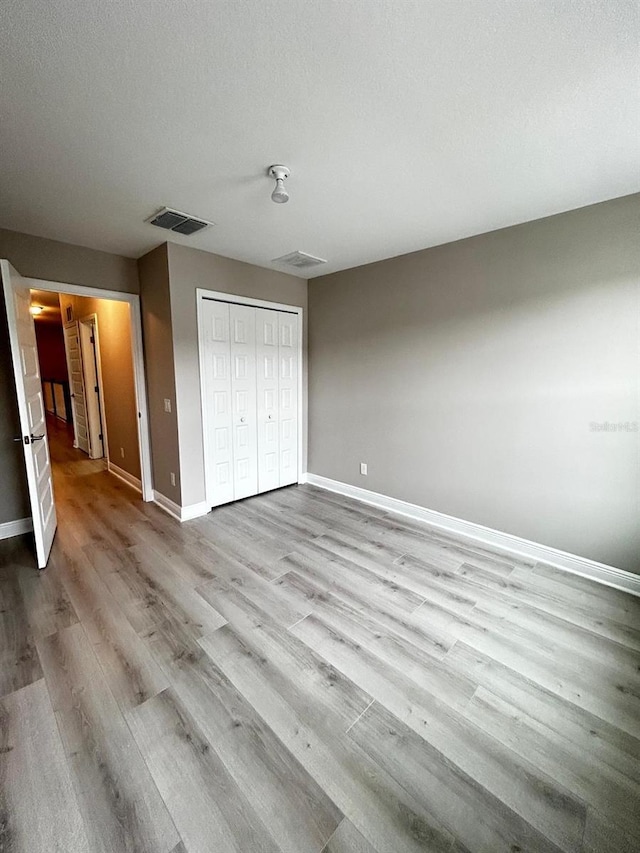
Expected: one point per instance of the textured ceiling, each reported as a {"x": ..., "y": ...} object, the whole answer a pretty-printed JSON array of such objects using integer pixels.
[{"x": 406, "y": 123}]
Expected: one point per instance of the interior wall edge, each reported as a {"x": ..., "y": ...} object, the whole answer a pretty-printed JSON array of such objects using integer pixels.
[{"x": 180, "y": 513}]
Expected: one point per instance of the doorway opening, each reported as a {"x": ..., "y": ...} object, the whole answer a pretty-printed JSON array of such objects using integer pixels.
[
  {"x": 20, "y": 311},
  {"x": 87, "y": 366}
]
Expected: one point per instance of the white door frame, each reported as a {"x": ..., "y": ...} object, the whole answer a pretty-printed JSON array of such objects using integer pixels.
[
  {"x": 133, "y": 301},
  {"x": 232, "y": 298}
]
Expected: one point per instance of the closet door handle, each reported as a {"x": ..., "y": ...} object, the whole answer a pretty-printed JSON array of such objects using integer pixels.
[{"x": 242, "y": 420}]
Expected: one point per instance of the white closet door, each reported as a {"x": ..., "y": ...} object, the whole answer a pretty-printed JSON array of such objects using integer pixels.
[
  {"x": 288, "y": 389},
  {"x": 267, "y": 335},
  {"x": 244, "y": 409},
  {"x": 218, "y": 403}
]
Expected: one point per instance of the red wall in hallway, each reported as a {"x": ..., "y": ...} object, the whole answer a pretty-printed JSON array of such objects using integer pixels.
[{"x": 50, "y": 339}]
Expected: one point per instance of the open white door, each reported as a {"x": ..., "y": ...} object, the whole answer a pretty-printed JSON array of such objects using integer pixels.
[
  {"x": 26, "y": 369},
  {"x": 76, "y": 385}
]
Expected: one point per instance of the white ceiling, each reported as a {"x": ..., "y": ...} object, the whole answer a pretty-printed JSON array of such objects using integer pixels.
[{"x": 406, "y": 123}]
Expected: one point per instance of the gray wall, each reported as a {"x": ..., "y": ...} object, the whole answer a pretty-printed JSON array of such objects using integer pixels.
[
  {"x": 467, "y": 377},
  {"x": 188, "y": 270},
  {"x": 36, "y": 257},
  {"x": 153, "y": 270},
  {"x": 50, "y": 260}
]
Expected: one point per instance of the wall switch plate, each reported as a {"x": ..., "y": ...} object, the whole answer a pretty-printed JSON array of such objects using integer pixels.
[
  {"x": 363, "y": 468},
  {"x": 173, "y": 478},
  {"x": 167, "y": 404},
  {"x": 122, "y": 452}
]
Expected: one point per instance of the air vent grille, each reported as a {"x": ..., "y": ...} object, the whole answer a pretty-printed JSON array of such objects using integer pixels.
[
  {"x": 174, "y": 220},
  {"x": 301, "y": 260}
]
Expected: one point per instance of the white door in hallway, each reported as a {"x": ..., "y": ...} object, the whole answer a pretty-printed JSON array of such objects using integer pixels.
[
  {"x": 243, "y": 400},
  {"x": 76, "y": 385},
  {"x": 88, "y": 328},
  {"x": 26, "y": 371},
  {"x": 250, "y": 374}
]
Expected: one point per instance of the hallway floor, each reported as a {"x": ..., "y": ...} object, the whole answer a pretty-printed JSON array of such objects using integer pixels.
[{"x": 300, "y": 672}]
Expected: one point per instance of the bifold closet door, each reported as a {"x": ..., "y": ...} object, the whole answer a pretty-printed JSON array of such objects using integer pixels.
[
  {"x": 288, "y": 397},
  {"x": 243, "y": 400},
  {"x": 216, "y": 365},
  {"x": 250, "y": 375},
  {"x": 267, "y": 360}
]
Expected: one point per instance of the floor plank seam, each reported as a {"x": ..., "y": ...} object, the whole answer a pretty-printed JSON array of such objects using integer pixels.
[
  {"x": 152, "y": 778},
  {"x": 415, "y": 609},
  {"x": 298, "y": 621},
  {"x": 359, "y": 717}
]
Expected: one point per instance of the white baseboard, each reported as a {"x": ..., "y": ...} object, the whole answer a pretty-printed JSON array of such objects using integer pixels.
[
  {"x": 167, "y": 505},
  {"x": 15, "y": 528},
  {"x": 609, "y": 575},
  {"x": 125, "y": 476},
  {"x": 180, "y": 513},
  {"x": 194, "y": 511}
]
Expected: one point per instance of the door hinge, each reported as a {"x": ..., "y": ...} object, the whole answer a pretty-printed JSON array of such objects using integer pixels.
[
  {"x": 100, "y": 436},
  {"x": 92, "y": 339},
  {"x": 96, "y": 389}
]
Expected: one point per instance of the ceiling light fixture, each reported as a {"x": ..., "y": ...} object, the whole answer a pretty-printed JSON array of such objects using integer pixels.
[
  {"x": 36, "y": 309},
  {"x": 279, "y": 173}
]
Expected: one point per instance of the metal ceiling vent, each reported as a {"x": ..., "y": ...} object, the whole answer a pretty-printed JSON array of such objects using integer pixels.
[
  {"x": 182, "y": 223},
  {"x": 299, "y": 259}
]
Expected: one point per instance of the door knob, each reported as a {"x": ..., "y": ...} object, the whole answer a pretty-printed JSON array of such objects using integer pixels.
[
  {"x": 242, "y": 420},
  {"x": 36, "y": 437},
  {"x": 270, "y": 416}
]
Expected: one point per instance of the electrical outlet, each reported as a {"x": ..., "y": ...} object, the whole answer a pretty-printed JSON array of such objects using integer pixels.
[
  {"x": 363, "y": 468},
  {"x": 122, "y": 452},
  {"x": 167, "y": 404},
  {"x": 172, "y": 476}
]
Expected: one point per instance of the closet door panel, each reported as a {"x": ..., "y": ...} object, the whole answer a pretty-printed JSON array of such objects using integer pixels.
[
  {"x": 267, "y": 396},
  {"x": 288, "y": 397},
  {"x": 244, "y": 409},
  {"x": 218, "y": 400}
]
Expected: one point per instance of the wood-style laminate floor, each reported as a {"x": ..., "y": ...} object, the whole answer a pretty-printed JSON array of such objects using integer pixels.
[{"x": 299, "y": 672}]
